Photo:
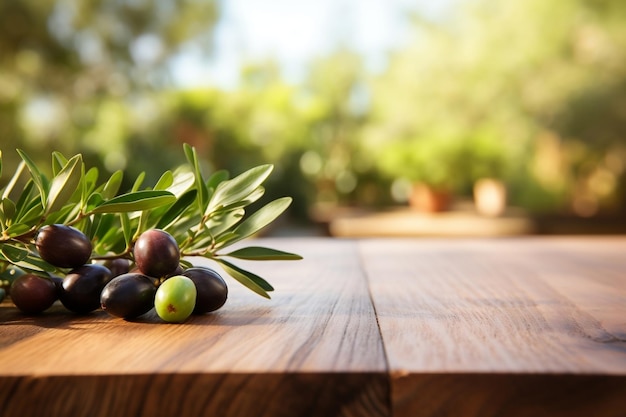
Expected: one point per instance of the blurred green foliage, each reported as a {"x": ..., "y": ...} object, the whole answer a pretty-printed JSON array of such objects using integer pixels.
[
  {"x": 70, "y": 70},
  {"x": 530, "y": 92}
]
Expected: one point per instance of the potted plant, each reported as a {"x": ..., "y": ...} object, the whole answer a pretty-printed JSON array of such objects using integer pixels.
[
  {"x": 442, "y": 166},
  {"x": 430, "y": 164}
]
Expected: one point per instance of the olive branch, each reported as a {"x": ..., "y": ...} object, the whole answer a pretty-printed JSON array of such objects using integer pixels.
[{"x": 205, "y": 214}]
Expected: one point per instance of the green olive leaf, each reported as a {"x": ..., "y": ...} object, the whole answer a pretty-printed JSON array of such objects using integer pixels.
[
  {"x": 215, "y": 179},
  {"x": 224, "y": 238},
  {"x": 138, "y": 182},
  {"x": 254, "y": 196},
  {"x": 101, "y": 224},
  {"x": 261, "y": 218},
  {"x": 17, "y": 229},
  {"x": 36, "y": 175},
  {"x": 222, "y": 222},
  {"x": 34, "y": 263},
  {"x": 177, "y": 209},
  {"x": 203, "y": 192},
  {"x": 247, "y": 278},
  {"x": 109, "y": 238},
  {"x": 135, "y": 201},
  {"x": 238, "y": 188},
  {"x": 259, "y": 253},
  {"x": 64, "y": 184},
  {"x": 25, "y": 200},
  {"x": 166, "y": 181},
  {"x": 183, "y": 181},
  {"x": 14, "y": 179},
  {"x": 62, "y": 215},
  {"x": 14, "y": 253},
  {"x": 33, "y": 214},
  {"x": 126, "y": 228},
  {"x": 91, "y": 178},
  {"x": 112, "y": 186},
  {"x": 8, "y": 210},
  {"x": 58, "y": 162}
]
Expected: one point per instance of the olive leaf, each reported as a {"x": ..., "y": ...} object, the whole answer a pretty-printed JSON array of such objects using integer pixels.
[
  {"x": 135, "y": 201},
  {"x": 201, "y": 187},
  {"x": 259, "y": 253},
  {"x": 166, "y": 180},
  {"x": 88, "y": 184},
  {"x": 14, "y": 179},
  {"x": 14, "y": 253},
  {"x": 247, "y": 278},
  {"x": 112, "y": 186},
  {"x": 258, "y": 220},
  {"x": 58, "y": 162},
  {"x": 8, "y": 210},
  {"x": 215, "y": 179},
  {"x": 238, "y": 188},
  {"x": 138, "y": 182},
  {"x": 64, "y": 184},
  {"x": 175, "y": 210},
  {"x": 36, "y": 175},
  {"x": 17, "y": 229}
]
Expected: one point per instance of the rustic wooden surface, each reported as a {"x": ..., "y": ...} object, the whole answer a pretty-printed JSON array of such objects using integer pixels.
[
  {"x": 314, "y": 349},
  {"x": 402, "y": 327},
  {"x": 502, "y": 327}
]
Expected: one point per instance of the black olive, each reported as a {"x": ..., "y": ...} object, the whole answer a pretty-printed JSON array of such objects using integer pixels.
[
  {"x": 33, "y": 294},
  {"x": 211, "y": 288},
  {"x": 63, "y": 246},
  {"x": 128, "y": 295},
  {"x": 156, "y": 253},
  {"x": 82, "y": 287}
]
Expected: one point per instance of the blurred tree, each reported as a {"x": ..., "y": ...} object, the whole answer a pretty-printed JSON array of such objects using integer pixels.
[
  {"x": 335, "y": 160},
  {"x": 528, "y": 91},
  {"x": 70, "y": 70}
]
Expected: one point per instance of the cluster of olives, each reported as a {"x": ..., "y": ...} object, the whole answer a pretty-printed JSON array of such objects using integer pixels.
[{"x": 158, "y": 280}]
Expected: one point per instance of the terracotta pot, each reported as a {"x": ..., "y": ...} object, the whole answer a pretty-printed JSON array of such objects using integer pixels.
[{"x": 429, "y": 199}]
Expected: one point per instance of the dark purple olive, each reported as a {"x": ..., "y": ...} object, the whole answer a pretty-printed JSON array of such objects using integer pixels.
[
  {"x": 128, "y": 295},
  {"x": 117, "y": 266},
  {"x": 211, "y": 288},
  {"x": 82, "y": 287},
  {"x": 63, "y": 246},
  {"x": 33, "y": 294},
  {"x": 156, "y": 253}
]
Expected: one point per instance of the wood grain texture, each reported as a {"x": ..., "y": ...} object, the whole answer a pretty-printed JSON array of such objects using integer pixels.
[
  {"x": 402, "y": 327},
  {"x": 314, "y": 350},
  {"x": 502, "y": 327}
]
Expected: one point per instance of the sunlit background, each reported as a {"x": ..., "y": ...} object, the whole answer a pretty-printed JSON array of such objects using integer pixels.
[{"x": 507, "y": 111}]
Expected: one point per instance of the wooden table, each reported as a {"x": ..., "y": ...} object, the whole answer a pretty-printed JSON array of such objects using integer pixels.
[{"x": 383, "y": 327}]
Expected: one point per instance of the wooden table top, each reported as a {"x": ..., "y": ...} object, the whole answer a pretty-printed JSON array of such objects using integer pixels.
[{"x": 373, "y": 327}]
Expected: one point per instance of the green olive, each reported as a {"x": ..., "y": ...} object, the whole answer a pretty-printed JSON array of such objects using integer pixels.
[{"x": 175, "y": 299}]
